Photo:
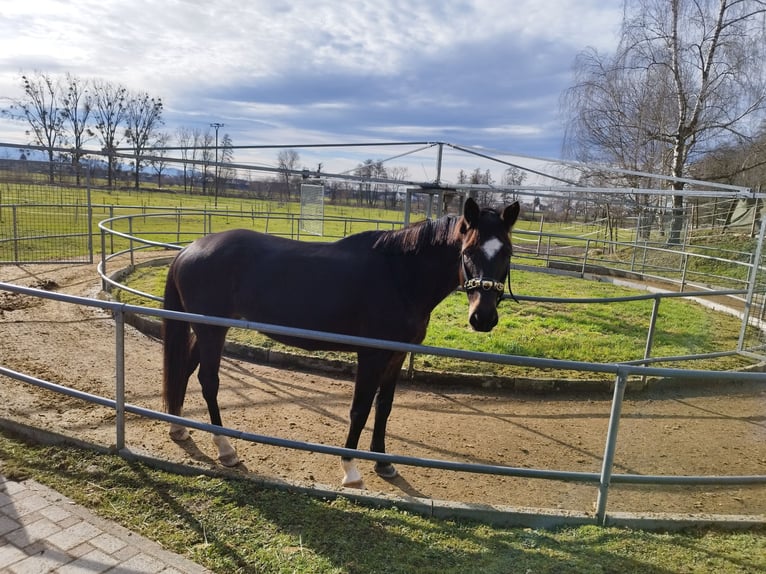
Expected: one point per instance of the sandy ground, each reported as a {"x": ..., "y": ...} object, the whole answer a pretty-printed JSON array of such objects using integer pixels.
[{"x": 681, "y": 430}]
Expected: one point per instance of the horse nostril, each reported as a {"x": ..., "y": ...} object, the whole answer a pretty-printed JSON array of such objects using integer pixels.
[{"x": 484, "y": 322}]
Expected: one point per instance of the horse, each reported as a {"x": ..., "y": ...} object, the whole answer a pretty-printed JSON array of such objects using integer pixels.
[{"x": 375, "y": 284}]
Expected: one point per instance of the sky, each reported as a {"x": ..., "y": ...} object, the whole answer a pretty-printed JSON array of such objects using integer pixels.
[{"x": 484, "y": 74}]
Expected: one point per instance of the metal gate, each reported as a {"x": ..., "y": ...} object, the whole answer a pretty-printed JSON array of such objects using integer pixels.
[
  {"x": 752, "y": 338},
  {"x": 43, "y": 223}
]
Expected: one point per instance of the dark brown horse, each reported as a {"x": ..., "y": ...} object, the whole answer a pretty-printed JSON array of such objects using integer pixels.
[{"x": 377, "y": 284}]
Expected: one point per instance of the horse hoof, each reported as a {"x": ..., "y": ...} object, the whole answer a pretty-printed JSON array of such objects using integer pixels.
[
  {"x": 179, "y": 434},
  {"x": 387, "y": 471},
  {"x": 354, "y": 484},
  {"x": 229, "y": 460}
]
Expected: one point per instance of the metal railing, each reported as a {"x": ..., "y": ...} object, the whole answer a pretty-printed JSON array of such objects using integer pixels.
[
  {"x": 603, "y": 479},
  {"x": 134, "y": 241}
]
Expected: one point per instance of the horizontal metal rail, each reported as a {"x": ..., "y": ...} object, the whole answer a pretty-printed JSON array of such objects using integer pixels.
[{"x": 603, "y": 479}]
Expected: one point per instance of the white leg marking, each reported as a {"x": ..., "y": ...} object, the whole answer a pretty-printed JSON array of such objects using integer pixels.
[
  {"x": 491, "y": 247},
  {"x": 351, "y": 476},
  {"x": 178, "y": 432},
  {"x": 226, "y": 453}
]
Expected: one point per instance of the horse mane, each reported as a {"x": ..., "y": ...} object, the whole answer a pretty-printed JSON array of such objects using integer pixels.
[{"x": 411, "y": 239}]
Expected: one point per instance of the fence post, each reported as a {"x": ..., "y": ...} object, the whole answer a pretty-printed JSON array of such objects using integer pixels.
[
  {"x": 585, "y": 257},
  {"x": 652, "y": 325},
  {"x": 111, "y": 226},
  {"x": 609, "y": 448},
  {"x": 119, "y": 391},
  {"x": 650, "y": 334},
  {"x": 548, "y": 253},
  {"x": 751, "y": 283},
  {"x": 685, "y": 265},
  {"x": 90, "y": 217},
  {"x": 103, "y": 259},
  {"x": 15, "y": 234},
  {"x": 130, "y": 232}
]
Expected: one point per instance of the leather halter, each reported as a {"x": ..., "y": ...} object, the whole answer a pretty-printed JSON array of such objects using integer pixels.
[{"x": 485, "y": 284}]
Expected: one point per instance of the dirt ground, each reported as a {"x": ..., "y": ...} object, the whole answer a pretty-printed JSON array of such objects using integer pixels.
[{"x": 690, "y": 430}]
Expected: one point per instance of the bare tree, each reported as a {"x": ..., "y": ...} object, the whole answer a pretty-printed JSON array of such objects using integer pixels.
[
  {"x": 288, "y": 160},
  {"x": 687, "y": 75},
  {"x": 109, "y": 111},
  {"x": 741, "y": 164},
  {"x": 512, "y": 177},
  {"x": 368, "y": 191},
  {"x": 40, "y": 108},
  {"x": 76, "y": 107},
  {"x": 206, "y": 142},
  {"x": 477, "y": 177},
  {"x": 226, "y": 174},
  {"x": 143, "y": 117},
  {"x": 397, "y": 174},
  {"x": 159, "y": 152},
  {"x": 185, "y": 140}
]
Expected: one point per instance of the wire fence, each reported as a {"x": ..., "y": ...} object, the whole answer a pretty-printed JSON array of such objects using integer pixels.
[{"x": 44, "y": 224}]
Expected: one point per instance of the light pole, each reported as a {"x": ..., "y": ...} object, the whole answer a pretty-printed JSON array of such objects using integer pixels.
[{"x": 216, "y": 125}]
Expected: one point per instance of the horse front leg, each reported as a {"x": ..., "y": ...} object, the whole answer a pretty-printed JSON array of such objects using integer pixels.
[
  {"x": 376, "y": 374},
  {"x": 383, "y": 405}
]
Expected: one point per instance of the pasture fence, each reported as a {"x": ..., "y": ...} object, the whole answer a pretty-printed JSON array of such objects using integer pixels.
[
  {"x": 727, "y": 280},
  {"x": 603, "y": 479},
  {"x": 626, "y": 234},
  {"x": 40, "y": 223}
]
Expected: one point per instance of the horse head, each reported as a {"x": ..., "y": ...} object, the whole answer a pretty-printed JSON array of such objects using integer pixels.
[{"x": 485, "y": 259}]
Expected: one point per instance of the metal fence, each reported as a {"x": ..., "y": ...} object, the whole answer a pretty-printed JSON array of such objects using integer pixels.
[
  {"x": 43, "y": 223},
  {"x": 736, "y": 278},
  {"x": 603, "y": 479},
  {"x": 612, "y": 245}
]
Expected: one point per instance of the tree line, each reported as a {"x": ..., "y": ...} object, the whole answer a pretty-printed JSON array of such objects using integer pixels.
[
  {"x": 683, "y": 94},
  {"x": 68, "y": 112}
]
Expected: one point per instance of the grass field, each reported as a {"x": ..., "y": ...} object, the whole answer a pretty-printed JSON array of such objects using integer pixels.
[
  {"x": 603, "y": 333},
  {"x": 234, "y": 526}
]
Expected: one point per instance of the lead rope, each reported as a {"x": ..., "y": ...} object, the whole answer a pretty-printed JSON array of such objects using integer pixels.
[{"x": 509, "y": 286}]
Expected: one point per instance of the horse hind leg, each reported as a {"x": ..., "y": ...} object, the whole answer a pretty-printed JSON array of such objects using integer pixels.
[
  {"x": 361, "y": 405},
  {"x": 383, "y": 405},
  {"x": 179, "y": 432},
  {"x": 211, "y": 341}
]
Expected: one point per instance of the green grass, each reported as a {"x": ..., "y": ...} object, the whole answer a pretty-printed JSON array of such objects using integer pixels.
[
  {"x": 604, "y": 333},
  {"x": 600, "y": 333},
  {"x": 159, "y": 220},
  {"x": 232, "y": 526}
]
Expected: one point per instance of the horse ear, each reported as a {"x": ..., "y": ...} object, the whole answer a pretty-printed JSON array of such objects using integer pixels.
[
  {"x": 471, "y": 213},
  {"x": 510, "y": 215}
]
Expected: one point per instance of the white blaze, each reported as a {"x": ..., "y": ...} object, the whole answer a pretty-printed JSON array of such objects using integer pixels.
[{"x": 491, "y": 247}]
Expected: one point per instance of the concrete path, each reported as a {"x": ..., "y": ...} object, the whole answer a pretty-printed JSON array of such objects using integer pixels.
[{"x": 42, "y": 531}]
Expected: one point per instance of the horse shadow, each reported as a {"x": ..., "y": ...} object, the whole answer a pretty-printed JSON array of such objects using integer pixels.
[{"x": 405, "y": 487}]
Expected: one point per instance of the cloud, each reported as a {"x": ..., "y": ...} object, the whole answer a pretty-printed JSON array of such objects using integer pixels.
[{"x": 486, "y": 72}]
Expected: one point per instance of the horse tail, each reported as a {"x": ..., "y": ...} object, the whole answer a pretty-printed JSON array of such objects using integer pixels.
[{"x": 176, "y": 347}]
